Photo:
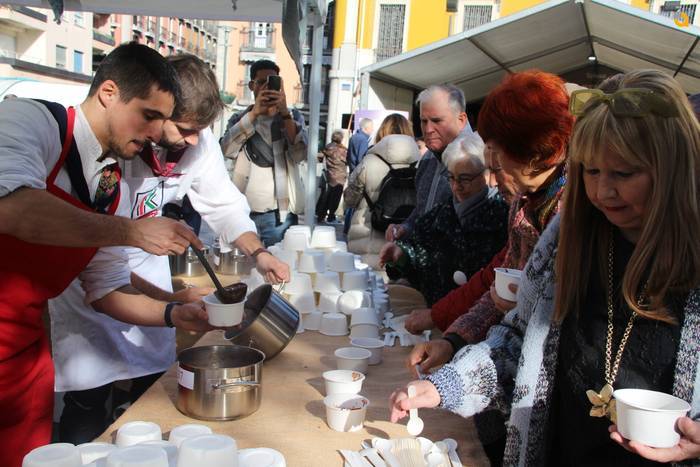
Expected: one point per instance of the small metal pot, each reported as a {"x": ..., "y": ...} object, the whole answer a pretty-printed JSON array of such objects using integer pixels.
[
  {"x": 269, "y": 323},
  {"x": 187, "y": 264},
  {"x": 232, "y": 262},
  {"x": 219, "y": 382}
]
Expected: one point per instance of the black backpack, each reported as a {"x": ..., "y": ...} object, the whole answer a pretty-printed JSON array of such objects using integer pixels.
[{"x": 397, "y": 197}]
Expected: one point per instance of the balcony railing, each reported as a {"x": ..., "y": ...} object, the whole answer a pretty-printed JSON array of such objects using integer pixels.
[
  {"x": 29, "y": 12},
  {"x": 102, "y": 37},
  {"x": 251, "y": 40}
]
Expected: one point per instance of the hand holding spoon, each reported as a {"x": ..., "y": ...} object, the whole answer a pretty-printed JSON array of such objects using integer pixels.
[{"x": 415, "y": 424}]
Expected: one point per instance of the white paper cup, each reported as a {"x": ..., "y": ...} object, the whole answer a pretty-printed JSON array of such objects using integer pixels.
[
  {"x": 223, "y": 314},
  {"x": 169, "y": 448},
  {"x": 328, "y": 302},
  {"x": 312, "y": 262},
  {"x": 352, "y": 358},
  {"x": 364, "y": 330},
  {"x": 505, "y": 277},
  {"x": 375, "y": 346},
  {"x": 209, "y": 451},
  {"x": 334, "y": 324},
  {"x": 189, "y": 430},
  {"x": 299, "y": 283},
  {"x": 260, "y": 457},
  {"x": 364, "y": 316},
  {"x": 312, "y": 321},
  {"x": 323, "y": 237},
  {"x": 343, "y": 382},
  {"x": 355, "y": 280},
  {"x": 352, "y": 300},
  {"x": 649, "y": 417},
  {"x": 304, "y": 302},
  {"x": 295, "y": 241},
  {"x": 53, "y": 455},
  {"x": 306, "y": 229},
  {"x": 90, "y": 452},
  {"x": 137, "y": 432},
  {"x": 327, "y": 282},
  {"x": 346, "y": 412},
  {"x": 138, "y": 456},
  {"x": 341, "y": 261}
]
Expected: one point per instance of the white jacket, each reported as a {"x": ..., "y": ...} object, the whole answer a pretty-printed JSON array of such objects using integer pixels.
[{"x": 397, "y": 150}]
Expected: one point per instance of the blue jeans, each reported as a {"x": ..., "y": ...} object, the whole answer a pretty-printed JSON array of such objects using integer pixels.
[{"x": 270, "y": 229}]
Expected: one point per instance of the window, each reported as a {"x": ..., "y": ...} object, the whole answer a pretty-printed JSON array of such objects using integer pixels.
[
  {"x": 60, "y": 56},
  {"x": 391, "y": 26},
  {"x": 476, "y": 15},
  {"x": 77, "y": 61},
  {"x": 687, "y": 9}
]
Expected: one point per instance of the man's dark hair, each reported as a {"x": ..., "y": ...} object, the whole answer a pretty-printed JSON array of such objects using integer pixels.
[
  {"x": 263, "y": 65},
  {"x": 200, "y": 100},
  {"x": 136, "y": 68}
]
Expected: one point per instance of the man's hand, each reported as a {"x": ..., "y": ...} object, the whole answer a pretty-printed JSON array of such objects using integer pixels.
[
  {"x": 390, "y": 253},
  {"x": 161, "y": 236},
  {"x": 191, "y": 317},
  {"x": 430, "y": 355},
  {"x": 191, "y": 294},
  {"x": 419, "y": 320},
  {"x": 272, "y": 269},
  {"x": 427, "y": 396},
  {"x": 394, "y": 232},
  {"x": 687, "y": 448},
  {"x": 501, "y": 303}
]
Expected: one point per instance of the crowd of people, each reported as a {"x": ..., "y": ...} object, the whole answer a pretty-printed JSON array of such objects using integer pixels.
[{"x": 592, "y": 193}]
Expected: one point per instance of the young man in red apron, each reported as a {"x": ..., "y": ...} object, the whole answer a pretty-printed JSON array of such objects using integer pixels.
[{"x": 132, "y": 94}]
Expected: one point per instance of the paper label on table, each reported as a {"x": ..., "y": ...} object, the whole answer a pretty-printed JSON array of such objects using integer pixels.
[
  {"x": 185, "y": 378},
  {"x": 217, "y": 260}
]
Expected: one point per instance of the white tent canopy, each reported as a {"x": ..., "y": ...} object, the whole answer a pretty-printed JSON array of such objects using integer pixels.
[
  {"x": 245, "y": 10},
  {"x": 557, "y": 36}
]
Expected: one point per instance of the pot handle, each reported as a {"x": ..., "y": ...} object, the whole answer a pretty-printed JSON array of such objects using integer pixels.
[{"x": 221, "y": 385}]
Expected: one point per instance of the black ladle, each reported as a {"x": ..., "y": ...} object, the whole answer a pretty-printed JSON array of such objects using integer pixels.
[{"x": 221, "y": 293}]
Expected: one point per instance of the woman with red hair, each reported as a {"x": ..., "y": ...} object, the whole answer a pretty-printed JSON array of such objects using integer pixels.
[{"x": 526, "y": 124}]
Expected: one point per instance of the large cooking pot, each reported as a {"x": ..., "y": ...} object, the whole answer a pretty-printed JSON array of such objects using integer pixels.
[
  {"x": 233, "y": 262},
  {"x": 269, "y": 323},
  {"x": 219, "y": 382},
  {"x": 187, "y": 264}
]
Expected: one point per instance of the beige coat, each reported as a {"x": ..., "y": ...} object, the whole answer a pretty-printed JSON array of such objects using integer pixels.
[{"x": 398, "y": 150}]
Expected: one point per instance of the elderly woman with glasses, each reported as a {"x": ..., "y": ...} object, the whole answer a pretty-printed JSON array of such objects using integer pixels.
[
  {"x": 460, "y": 235},
  {"x": 610, "y": 298}
]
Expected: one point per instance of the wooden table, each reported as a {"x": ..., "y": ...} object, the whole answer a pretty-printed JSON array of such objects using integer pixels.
[{"x": 291, "y": 418}]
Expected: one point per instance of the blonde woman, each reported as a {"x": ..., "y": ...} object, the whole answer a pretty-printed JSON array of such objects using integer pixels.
[
  {"x": 393, "y": 124},
  {"x": 626, "y": 258}
]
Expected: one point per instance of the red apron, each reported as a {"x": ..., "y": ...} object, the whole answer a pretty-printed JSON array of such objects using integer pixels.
[{"x": 30, "y": 274}]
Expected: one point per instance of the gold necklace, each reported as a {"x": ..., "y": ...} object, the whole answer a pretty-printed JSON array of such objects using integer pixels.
[{"x": 603, "y": 402}]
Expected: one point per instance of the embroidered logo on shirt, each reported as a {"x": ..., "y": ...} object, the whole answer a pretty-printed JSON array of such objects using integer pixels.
[{"x": 148, "y": 203}]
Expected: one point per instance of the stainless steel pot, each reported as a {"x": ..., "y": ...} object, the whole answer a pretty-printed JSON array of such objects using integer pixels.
[
  {"x": 187, "y": 264},
  {"x": 219, "y": 382},
  {"x": 232, "y": 262},
  {"x": 269, "y": 323}
]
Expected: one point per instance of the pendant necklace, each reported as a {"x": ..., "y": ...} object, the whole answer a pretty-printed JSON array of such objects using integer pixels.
[{"x": 602, "y": 401}]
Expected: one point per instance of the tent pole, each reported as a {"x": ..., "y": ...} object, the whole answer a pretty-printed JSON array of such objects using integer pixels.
[{"x": 315, "y": 97}]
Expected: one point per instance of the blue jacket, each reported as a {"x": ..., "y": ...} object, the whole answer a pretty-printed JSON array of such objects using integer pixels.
[{"x": 357, "y": 148}]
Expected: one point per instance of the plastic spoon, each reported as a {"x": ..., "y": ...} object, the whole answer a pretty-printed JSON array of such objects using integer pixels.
[{"x": 415, "y": 424}]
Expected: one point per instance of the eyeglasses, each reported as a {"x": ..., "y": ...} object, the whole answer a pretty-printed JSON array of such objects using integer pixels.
[
  {"x": 630, "y": 102},
  {"x": 259, "y": 82},
  {"x": 463, "y": 179}
]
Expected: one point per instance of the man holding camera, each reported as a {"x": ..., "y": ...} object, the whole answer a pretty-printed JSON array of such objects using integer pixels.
[{"x": 266, "y": 142}]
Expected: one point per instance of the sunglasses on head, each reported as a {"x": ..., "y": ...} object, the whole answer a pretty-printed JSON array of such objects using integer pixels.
[{"x": 630, "y": 102}]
